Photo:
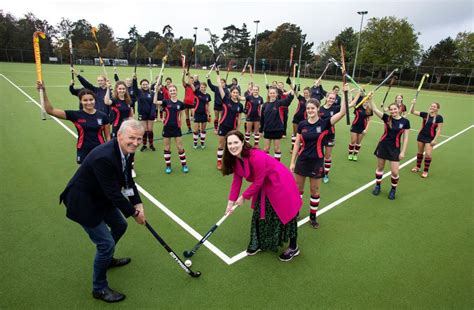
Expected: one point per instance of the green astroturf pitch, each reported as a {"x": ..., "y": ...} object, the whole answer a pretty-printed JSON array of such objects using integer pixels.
[{"x": 369, "y": 253}]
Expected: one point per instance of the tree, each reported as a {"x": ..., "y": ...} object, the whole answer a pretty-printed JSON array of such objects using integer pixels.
[
  {"x": 81, "y": 31},
  {"x": 280, "y": 41},
  {"x": 203, "y": 53},
  {"x": 151, "y": 39},
  {"x": 112, "y": 50},
  {"x": 243, "y": 42},
  {"x": 229, "y": 41},
  {"x": 64, "y": 28},
  {"x": 464, "y": 49},
  {"x": 389, "y": 40},
  {"x": 105, "y": 34},
  {"x": 348, "y": 38},
  {"x": 442, "y": 54}
]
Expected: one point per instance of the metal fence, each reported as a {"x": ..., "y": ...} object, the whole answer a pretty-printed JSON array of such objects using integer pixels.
[{"x": 441, "y": 78}]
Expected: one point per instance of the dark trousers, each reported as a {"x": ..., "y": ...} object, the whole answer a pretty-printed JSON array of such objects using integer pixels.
[{"x": 105, "y": 241}]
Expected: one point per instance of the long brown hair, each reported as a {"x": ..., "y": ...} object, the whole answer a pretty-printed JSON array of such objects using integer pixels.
[
  {"x": 228, "y": 159},
  {"x": 389, "y": 123},
  {"x": 128, "y": 99}
]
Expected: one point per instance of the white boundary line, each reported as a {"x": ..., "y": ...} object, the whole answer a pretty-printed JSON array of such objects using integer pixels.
[
  {"x": 411, "y": 129},
  {"x": 231, "y": 260},
  {"x": 355, "y": 192},
  {"x": 158, "y": 204}
]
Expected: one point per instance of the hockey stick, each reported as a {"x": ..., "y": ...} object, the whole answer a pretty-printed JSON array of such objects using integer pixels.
[
  {"x": 172, "y": 253},
  {"x": 71, "y": 57},
  {"x": 346, "y": 94},
  {"x": 193, "y": 50},
  {"x": 208, "y": 234},
  {"x": 388, "y": 90},
  {"x": 101, "y": 61},
  {"x": 39, "y": 71},
  {"x": 378, "y": 86},
  {"x": 288, "y": 80},
  {"x": 426, "y": 75}
]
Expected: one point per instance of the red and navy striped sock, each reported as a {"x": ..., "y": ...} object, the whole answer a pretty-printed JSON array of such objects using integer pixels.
[
  {"x": 277, "y": 156},
  {"x": 378, "y": 176},
  {"x": 427, "y": 163},
  {"x": 220, "y": 153},
  {"x": 182, "y": 157},
  {"x": 167, "y": 155},
  {"x": 216, "y": 123},
  {"x": 327, "y": 165},
  {"x": 351, "y": 148},
  {"x": 195, "y": 137},
  {"x": 357, "y": 149},
  {"x": 257, "y": 139},
  {"x": 203, "y": 137},
  {"x": 313, "y": 206},
  {"x": 145, "y": 136},
  {"x": 395, "y": 179},
  {"x": 247, "y": 136},
  {"x": 419, "y": 159}
]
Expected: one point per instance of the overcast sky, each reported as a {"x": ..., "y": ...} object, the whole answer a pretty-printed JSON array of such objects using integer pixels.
[{"x": 320, "y": 20}]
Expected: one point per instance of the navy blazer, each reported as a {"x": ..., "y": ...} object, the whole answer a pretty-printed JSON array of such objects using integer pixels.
[{"x": 96, "y": 187}]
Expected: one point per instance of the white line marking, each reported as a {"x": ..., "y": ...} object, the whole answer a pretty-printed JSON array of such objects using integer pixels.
[
  {"x": 355, "y": 192},
  {"x": 411, "y": 129},
  {"x": 158, "y": 204}
]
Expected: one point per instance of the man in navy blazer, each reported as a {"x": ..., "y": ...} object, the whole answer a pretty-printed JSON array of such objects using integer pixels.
[{"x": 100, "y": 194}]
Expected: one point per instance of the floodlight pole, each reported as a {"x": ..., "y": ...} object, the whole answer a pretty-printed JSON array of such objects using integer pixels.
[
  {"x": 358, "y": 41},
  {"x": 195, "y": 48},
  {"x": 255, "y": 51}
]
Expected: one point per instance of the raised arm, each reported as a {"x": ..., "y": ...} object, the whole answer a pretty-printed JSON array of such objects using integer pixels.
[
  {"x": 47, "y": 105},
  {"x": 107, "y": 99},
  {"x": 221, "y": 90},
  {"x": 373, "y": 107},
  {"x": 412, "y": 108},
  {"x": 337, "y": 117},
  {"x": 86, "y": 83},
  {"x": 354, "y": 100}
]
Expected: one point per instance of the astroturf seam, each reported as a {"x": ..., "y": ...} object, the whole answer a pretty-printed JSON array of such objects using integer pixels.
[
  {"x": 332, "y": 205},
  {"x": 152, "y": 199}
]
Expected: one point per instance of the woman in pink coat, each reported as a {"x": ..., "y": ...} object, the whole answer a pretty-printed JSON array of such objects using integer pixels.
[{"x": 275, "y": 196}]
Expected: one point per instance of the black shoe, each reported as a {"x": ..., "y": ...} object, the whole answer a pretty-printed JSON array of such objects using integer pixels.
[
  {"x": 108, "y": 295},
  {"x": 143, "y": 148},
  {"x": 253, "y": 252},
  {"x": 314, "y": 223},
  {"x": 391, "y": 195},
  {"x": 376, "y": 190},
  {"x": 289, "y": 254},
  {"x": 118, "y": 262},
  {"x": 152, "y": 147}
]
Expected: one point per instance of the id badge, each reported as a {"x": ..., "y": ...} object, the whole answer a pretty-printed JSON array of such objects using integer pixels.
[{"x": 127, "y": 192}]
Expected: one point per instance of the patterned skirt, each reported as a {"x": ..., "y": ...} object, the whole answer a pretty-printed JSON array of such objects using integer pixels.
[{"x": 270, "y": 233}]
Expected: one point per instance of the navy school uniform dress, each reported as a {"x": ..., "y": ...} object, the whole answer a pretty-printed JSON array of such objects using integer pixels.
[
  {"x": 90, "y": 130},
  {"x": 217, "y": 95},
  {"x": 389, "y": 144},
  {"x": 99, "y": 95},
  {"x": 272, "y": 118},
  {"x": 252, "y": 108},
  {"x": 120, "y": 112},
  {"x": 146, "y": 107},
  {"x": 428, "y": 128},
  {"x": 310, "y": 161},
  {"x": 230, "y": 115},
  {"x": 300, "y": 113},
  {"x": 360, "y": 120},
  {"x": 201, "y": 109},
  {"x": 327, "y": 113},
  {"x": 172, "y": 122}
]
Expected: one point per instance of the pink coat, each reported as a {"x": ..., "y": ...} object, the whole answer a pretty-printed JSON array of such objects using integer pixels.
[{"x": 270, "y": 178}]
